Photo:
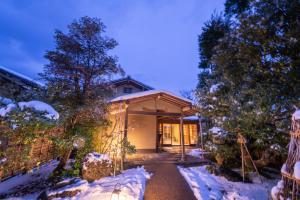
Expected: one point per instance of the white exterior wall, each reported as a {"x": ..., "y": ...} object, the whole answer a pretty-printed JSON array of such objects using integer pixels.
[{"x": 142, "y": 131}]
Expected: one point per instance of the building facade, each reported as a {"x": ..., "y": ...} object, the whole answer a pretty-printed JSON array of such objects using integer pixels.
[{"x": 153, "y": 118}]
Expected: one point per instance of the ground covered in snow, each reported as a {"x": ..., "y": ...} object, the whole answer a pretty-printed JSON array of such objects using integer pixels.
[
  {"x": 208, "y": 186},
  {"x": 199, "y": 153},
  {"x": 129, "y": 185},
  {"x": 33, "y": 181}
]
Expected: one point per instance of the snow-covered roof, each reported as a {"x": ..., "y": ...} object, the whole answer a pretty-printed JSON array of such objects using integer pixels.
[
  {"x": 191, "y": 118},
  {"x": 147, "y": 93},
  {"x": 21, "y": 76},
  {"x": 128, "y": 80}
]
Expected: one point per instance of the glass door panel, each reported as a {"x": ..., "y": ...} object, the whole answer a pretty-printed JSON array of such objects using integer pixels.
[
  {"x": 193, "y": 133},
  {"x": 175, "y": 134},
  {"x": 167, "y": 134},
  {"x": 186, "y": 133}
]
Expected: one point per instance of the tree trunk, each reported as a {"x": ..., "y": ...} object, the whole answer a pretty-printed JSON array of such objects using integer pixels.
[{"x": 63, "y": 161}]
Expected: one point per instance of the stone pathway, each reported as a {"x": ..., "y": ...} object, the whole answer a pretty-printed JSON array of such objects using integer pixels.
[{"x": 166, "y": 182}]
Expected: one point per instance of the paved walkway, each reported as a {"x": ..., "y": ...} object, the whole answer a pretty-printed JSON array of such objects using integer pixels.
[{"x": 166, "y": 183}]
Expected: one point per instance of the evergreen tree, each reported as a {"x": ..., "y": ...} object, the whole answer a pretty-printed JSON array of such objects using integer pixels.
[
  {"x": 236, "y": 7},
  {"x": 77, "y": 77},
  {"x": 256, "y": 69}
]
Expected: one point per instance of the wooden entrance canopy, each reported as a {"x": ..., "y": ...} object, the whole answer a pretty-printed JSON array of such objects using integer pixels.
[
  {"x": 185, "y": 104},
  {"x": 125, "y": 104}
]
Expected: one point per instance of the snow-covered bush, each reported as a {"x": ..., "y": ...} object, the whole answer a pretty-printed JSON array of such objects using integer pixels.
[
  {"x": 96, "y": 166},
  {"x": 22, "y": 124},
  {"x": 222, "y": 146},
  {"x": 218, "y": 135}
]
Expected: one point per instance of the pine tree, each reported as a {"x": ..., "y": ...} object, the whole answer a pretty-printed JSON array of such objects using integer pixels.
[
  {"x": 257, "y": 68},
  {"x": 77, "y": 77}
]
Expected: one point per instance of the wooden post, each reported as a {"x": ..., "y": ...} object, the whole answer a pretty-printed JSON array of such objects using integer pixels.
[
  {"x": 125, "y": 136},
  {"x": 126, "y": 123},
  {"x": 243, "y": 162},
  {"x": 200, "y": 133},
  {"x": 253, "y": 163},
  {"x": 157, "y": 128},
  {"x": 182, "y": 139}
]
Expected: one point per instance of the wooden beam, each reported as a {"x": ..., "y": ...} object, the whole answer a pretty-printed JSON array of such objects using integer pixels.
[
  {"x": 126, "y": 123},
  {"x": 173, "y": 101},
  {"x": 132, "y": 112},
  {"x": 182, "y": 139}
]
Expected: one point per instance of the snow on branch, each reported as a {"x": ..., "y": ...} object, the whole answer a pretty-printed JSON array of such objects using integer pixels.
[
  {"x": 51, "y": 113},
  {"x": 215, "y": 87}
]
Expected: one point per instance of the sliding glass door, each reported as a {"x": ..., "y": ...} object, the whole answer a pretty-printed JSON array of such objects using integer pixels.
[
  {"x": 171, "y": 134},
  {"x": 175, "y": 134},
  {"x": 167, "y": 134}
]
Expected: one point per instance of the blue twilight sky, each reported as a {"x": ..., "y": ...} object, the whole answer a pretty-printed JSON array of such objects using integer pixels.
[{"x": 157, "y": 38}]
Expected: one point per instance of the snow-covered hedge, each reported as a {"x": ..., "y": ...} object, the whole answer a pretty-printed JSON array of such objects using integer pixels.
[
  {"x": 38, "y": 106},
  {"x": 217, "y": 131},
  {"x": 96, "y": 166},
  {"x": 95, "y": 157}
]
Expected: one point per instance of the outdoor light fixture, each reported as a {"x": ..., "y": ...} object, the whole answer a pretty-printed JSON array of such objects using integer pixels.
[
  {"x": 116, "y": 193},
  {"x": 115, "y": 196}
]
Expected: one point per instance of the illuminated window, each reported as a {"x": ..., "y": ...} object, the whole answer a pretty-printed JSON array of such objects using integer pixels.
[
  {"x": 193, "y": 133},
  {"x": 171, "y": 134}
]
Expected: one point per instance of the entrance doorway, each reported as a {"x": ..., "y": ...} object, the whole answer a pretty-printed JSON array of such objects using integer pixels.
[{"x": 171, "y": 134}]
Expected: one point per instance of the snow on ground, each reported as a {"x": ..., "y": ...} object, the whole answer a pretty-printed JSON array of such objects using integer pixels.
[
  {"x": 276, "y": 190},
  {"x": 42, "y": 172},
  {"x": 129, "y": 185},
  {"x": 197, "y": 153},
  {"x": 208, "y": 186}
]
